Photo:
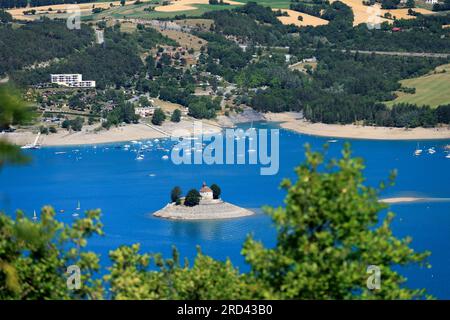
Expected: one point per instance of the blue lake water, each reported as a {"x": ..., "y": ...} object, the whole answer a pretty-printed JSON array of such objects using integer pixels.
[{"x": 127, "y": 191}]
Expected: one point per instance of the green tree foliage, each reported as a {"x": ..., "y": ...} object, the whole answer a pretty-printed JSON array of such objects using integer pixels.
[
  {"x": 74, "y": 124},
  {"x": 328, "y": 234},
  {"x": 216, "y": 191},
  {"x": 41, "y": 273},
  {"x": 124, "y": 112},
  {"x": 7, "y": 4},
  {"x": 203, "y": 107},
  {"x": 192, "y": 198},
  {"x": 5, "y": 17},
  {"x": 410, "y": 3},
  {"x": 144, "y": 276},
  {"x": 13, "y": 111},
  {"x": 158, "y": 117},
  {"x": 30, "y": 44},
  {"x": 176, "y": 116},
  {"x": 175, "y": 195}
]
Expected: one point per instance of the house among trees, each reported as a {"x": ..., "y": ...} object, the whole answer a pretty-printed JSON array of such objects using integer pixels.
[
  {"x": 205, "y": 192},
  {"x": 144, "y": 112}
]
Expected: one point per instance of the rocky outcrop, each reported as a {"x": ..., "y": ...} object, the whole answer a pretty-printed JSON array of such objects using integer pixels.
[{"x": 206, "y": 210}]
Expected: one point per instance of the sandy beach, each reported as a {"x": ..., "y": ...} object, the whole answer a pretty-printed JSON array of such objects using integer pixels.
[
  {"x": 308, "y": 20},
  {"x": 291, "y": 121},
  {"x": 91, "y": 134}
]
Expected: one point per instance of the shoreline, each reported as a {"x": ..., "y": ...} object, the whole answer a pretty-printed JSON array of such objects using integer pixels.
[
  {"x": 292, "y": 121},
  {"x": 89, "y": 135}
]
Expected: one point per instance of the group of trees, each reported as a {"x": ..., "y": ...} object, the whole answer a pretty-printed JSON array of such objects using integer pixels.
[
  {"x": 252, "y": 22},
  {"x": 443, "y": 6},
  {"x": 73, "y": 124},
  {"x": 203, "y": 107},
  {"x": 158, "y": 117},
  {"x": 344, "y": 88},
  {"x": 122, "y": 113},
  {"x": 193, "y": 196},
  {"x": 7, "y": 4},
  {"x": 5, "y": 17},
  {"x": 39, "y": 42}
]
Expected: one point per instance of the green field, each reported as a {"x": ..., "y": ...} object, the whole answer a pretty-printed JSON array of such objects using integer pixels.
[
  {"x": 137, "y": 11},
  {"x": 432, "y": 89}
]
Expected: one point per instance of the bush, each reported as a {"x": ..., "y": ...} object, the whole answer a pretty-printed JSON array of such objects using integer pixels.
[
  {"x": 158, "y": 117},
  {"x": 175, "y": 195},
  {"x": 52, "y": 130},
  {"x": 192, "y": 198},
  {"x": 176, "y": 116},
  {"x": 216, "y": 191},
  {"x": 43, "y": 130}
]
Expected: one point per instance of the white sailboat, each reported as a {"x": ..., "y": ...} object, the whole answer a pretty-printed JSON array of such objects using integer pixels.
[
  {"x": 33, "y": 145},
  {"x": 431, "y": 150},
  {"x": 418, "y": 151},
  {"x": 35, "y": 216},
  {"x": 76, "y": 214}
]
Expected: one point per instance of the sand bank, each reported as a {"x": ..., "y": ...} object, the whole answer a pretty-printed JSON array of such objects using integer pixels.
[
  {"x": 208, "y": 210},
  {"x": 307, "y": 20},
  {"x": 374, "y": 14},
  {"x": 89, "y": 134},
  {"x": 291, "y": 122},
  {"x": 185, "y": 5},
  {"x": 412, "y": 199}
]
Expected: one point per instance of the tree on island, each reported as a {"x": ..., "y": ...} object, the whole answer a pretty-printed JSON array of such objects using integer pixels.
[
  {"x": 216, "y": 191},
  {"x": 122, "y": 2},
  {"x": 176, "y": 116},
  {"x": 192, "y": 198},
  {"x": 175, "y": 195},
  {"x": 158, "y": 117}
]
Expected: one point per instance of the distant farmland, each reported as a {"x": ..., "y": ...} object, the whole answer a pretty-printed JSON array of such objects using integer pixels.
[{"x": 432, "y": 89}]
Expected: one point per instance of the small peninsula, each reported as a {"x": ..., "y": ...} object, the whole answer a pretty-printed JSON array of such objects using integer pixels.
[{"x": 203, "y": 204}]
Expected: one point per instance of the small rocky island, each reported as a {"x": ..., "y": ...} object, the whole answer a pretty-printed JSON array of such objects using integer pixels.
[{"x": 200, "y": 204}]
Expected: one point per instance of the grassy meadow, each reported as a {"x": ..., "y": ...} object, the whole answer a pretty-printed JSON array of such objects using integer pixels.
[{"x": 432, "y": 89}]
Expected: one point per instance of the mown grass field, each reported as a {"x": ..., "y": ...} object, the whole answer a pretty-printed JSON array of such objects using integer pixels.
[
  {"x": 432, "y": 89},
  {"x": 137, "y": 11}
]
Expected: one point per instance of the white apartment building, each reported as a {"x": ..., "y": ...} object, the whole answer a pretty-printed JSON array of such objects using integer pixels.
[{"x": 72, "y": 80}]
